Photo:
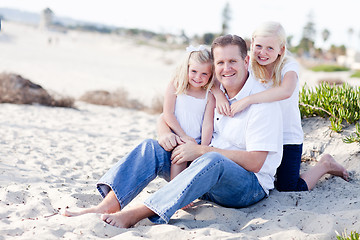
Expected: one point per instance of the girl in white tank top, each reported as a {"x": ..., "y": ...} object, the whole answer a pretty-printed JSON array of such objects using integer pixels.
[{"x": 188, "y": 107}]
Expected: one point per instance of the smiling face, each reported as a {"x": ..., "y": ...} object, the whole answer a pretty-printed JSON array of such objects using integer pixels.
[
  {"x": 230, "y": 68},
  {"x": 199, "y": 74},
  {"x": 266, "y": 50}
]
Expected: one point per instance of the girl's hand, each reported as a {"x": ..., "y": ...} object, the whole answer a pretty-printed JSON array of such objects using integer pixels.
[
  {"x": 169, "y": 141},
  {"x": 222, "y": 105},
  {"x": 239, "y": 106},
  {"x": 188, "y": 139}
]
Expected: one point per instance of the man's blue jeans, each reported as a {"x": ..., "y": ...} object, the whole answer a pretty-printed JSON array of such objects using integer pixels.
[{"x": 210, "y": 177}]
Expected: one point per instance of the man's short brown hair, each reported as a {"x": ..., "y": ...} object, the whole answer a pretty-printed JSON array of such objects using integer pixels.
[{"x": 229, "y": 39}]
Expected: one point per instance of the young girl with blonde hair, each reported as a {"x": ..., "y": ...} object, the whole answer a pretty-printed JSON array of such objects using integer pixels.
[
  {"x": 188, "y": 104},
  {"x": 273, "y": 66}
]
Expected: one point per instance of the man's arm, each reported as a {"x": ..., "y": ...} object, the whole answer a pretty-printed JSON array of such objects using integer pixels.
[{"x": 249, "y": 160}]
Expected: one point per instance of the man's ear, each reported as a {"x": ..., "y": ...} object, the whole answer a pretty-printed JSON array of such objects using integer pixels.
[{"x": 247, "y": 61}]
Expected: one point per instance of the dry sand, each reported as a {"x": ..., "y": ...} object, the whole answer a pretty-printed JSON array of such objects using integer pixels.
[{"x": 51, "y": 158}]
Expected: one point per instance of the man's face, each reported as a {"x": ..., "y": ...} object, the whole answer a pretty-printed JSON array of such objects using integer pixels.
[{"x": 230, "y": 69}]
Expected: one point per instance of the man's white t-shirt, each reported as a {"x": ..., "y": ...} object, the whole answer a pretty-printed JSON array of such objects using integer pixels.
[{"x": 257, "y": 128}]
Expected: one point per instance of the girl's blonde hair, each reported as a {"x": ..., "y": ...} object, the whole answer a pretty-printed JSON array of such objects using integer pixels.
[
  {"x": 270, "y": 29},
  {"x": 181, "y": 76}
]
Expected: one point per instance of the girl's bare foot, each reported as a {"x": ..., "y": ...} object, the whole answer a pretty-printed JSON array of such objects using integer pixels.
[
  {"x": 68, "y": 213},
  {"x": 334, "y": 167},
  {"x": 109, "y": 204}
]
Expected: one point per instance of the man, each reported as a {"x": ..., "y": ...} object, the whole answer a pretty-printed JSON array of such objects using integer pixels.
[{"x": 236, "y": 170}]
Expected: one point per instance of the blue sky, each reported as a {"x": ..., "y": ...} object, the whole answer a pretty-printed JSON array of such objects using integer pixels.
[{"x": 200, "y": 16}]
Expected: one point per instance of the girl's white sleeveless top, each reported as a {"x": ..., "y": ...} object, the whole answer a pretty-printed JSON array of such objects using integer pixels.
[
  {"x": 189, "y": 111},
  {"x": 292, "y": 129}
]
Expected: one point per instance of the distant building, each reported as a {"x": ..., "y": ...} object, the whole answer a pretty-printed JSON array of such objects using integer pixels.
[
  {"x": 351, "y": 60},
  {"x": 46, "y": 19}
]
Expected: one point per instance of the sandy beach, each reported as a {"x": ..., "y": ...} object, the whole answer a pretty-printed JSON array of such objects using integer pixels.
[{"x": 51, "y": 158}]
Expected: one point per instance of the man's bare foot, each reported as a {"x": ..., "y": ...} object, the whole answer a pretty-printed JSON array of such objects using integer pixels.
[
  {"x": 334, "y": 167},
  {"x": 119, "y": 219},
  {"x": 129, "y": 217}
]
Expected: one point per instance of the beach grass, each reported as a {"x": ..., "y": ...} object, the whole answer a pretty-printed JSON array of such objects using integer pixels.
[
  {"x": 121, "y": 98},
  {"x": 355, "y": 74},
  {"x": 353, "y": 236},
  {"x": 18, "y": 90},
  {"x": 329, "y": 68},
  {"x": 354, "y": 137},
  {"x": 116, "y": 98},
  {"x": 341, "y": 103}
]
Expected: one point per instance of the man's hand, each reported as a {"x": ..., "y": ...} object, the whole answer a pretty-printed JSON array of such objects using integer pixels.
[
  {"x": 169, "y": 141},
  {"x": 186, "y": 152}
]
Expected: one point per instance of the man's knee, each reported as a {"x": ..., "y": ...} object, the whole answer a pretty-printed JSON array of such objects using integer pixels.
[
  {"x": 148, "y": 147},
  {"x": 210, "y": 158}
]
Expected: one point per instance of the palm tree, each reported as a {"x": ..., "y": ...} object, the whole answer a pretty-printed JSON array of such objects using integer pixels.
[
  {"x": 350, "y": 33},
  {"x": 325, "y": 35},
  {"x": 308, "y": 36},
  {"x": 226, "y": 16},
  {"x": 289, "y": 39}
]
